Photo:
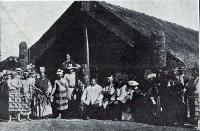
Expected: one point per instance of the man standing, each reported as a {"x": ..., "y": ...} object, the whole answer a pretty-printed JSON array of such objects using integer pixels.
[
  {"x": 69, "y": 68},
  {"x": 69, "y": 64},
  {"x": 91, "y": 100}
]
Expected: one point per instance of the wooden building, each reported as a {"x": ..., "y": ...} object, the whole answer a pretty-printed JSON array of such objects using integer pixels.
[{"x": 111, "y": 39}]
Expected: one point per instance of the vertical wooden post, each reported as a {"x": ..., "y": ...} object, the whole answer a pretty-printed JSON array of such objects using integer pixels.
[
  {"x": 158, "y": 107},
  {"x": 0, "y": 37},
  {"x": 158, "y": 39},
  {"x": 23, "y": 54},
  {"x": 87, "y": 53},
  {"x": 86, "y": 67},
  {"x": 85, "y": 8},
  {"x": 29, "y": 56}
]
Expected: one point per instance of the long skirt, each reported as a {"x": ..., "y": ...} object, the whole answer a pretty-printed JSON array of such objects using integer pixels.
[
  {"x": 15, "y": 101},
  {"x": 41, "y": 106},
  {"x": 26, "y": 104},
  {"x": 61, "y": 100}
]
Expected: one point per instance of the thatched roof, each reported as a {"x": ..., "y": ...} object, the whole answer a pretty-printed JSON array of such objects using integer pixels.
[{"x": 180, "y": 42}]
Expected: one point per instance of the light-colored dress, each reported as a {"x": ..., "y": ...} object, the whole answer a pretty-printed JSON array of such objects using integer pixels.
[
  {"x": 197, "y": 97},
  {"x": 15, "y": 87}
]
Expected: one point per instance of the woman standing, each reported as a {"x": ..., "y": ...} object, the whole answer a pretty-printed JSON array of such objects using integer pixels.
[
  {"x": 42, "y": 103},
  {"x": 14, "y": 86},
  {"x": 76, "y": 99},
  {"x": 61, "y": 96}
]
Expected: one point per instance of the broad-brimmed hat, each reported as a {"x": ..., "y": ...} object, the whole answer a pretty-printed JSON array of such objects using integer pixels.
[
  {"x": 18, "y": 69},
  {"x": 151, "y": 76},
  {"x": 133, "y": 83}
]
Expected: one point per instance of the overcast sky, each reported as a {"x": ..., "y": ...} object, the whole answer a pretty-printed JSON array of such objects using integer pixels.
[{"x": 28, "y": 21}]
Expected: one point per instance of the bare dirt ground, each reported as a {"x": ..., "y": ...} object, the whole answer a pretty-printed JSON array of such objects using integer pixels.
[{"x": 83, "y": 125}]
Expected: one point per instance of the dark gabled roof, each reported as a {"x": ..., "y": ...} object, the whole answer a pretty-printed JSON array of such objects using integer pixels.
[{"x": 180, "y": 42}]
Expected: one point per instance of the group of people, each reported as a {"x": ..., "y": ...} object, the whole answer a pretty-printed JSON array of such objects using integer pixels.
[{"x": 163, "y": 95}]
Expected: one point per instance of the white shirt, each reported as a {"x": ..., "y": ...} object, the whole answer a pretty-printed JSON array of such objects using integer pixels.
[
  {"x": 92, "y": 95},
  {"x": 71, "y": 78}
]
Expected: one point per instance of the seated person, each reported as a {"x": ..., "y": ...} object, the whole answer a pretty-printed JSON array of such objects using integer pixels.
[
  {"x": 91, "y": 100},
  {"x": 114, "y": 106},
  {"x": 76, "y": 98},
  {"x": 124, "y": 100},
  {"x": 107, "y": 92},
  {"x": 126, "y": 92}
]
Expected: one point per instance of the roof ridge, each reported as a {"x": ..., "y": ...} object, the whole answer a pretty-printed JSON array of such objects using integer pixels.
[{"x": 141, "y": 13}]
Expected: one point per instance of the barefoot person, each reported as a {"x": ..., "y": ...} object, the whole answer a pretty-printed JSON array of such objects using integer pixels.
[
  {"x": 60, "y": 93},
  {"x": 15, "y": 87}
]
